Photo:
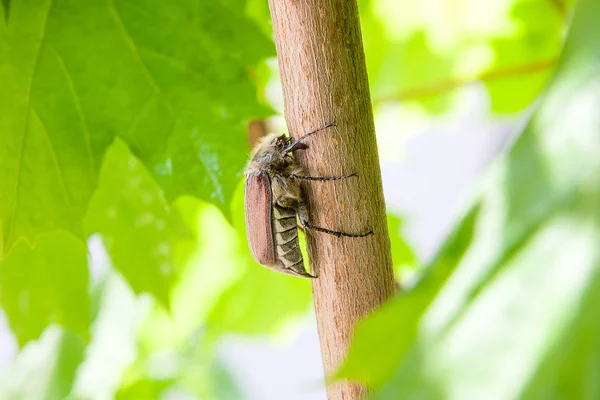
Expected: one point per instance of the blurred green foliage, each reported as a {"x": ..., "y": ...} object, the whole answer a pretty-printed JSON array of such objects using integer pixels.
[
  {"x": 122, "y": 127},
  {"x": 6, "y": 5},
  {"x": 420, "y": 50},
  {"x": 130, "y": 213},
  {"x": 512, "y": 312},
  {"x": 46, "y": 369},
  {"x": 46, "y": 285},
  {"x": 402, "y": 254}
]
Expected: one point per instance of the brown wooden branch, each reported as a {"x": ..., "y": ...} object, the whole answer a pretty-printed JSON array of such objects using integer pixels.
[
  {"x": 447, "y": 85},
  {"x": 324, "y": 79}
]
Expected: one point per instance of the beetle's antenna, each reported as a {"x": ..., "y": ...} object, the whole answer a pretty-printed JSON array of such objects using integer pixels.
[{"x": 296, "y": 142}]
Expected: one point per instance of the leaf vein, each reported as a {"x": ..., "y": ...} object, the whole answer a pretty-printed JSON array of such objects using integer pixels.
[
  {"x": 78, "y": 107},
  {"x": 136, "y": 52},
  {"x": 135, "y": 120},
  {"x": 54, "y": 157},
  {"x": 13, "y": 217}
]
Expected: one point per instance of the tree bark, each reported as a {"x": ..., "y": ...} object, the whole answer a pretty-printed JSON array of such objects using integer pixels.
[{"x": 324, "y": 79}]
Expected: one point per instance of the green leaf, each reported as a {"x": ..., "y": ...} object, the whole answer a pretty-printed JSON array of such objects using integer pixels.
[
  {"x": 258, "y": 11},
  {"x": 193, "y": 372},
  {"x": 134, "y": 220},
  {"x": 513, "y": 316},
  {"x": 422, "y": 54},
  {"x": 535, "y": 42},
  {"x": 46, "y": 285},
  {"x": 397, "y": 65},
  {"x": 571, "y": 366},
  {"x": 144, "y": 388},
  {"x": 402, "y": 255},
  {"x": 170, "y": 78},
  {"x": 259, "y": 303},
  {"x": 44, "y": 369},
  {"x": 6, "y": 5},
  {"x": 377, "y": 341}
]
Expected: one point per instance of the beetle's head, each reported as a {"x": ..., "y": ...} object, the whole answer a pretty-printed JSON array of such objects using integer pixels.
[
  {"x": 270, "y": 151},
  {"x": 279, "y": 143}
]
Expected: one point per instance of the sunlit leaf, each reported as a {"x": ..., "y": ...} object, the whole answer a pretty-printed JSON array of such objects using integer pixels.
[
  {"x": 46, "y": 285},
  {"x": 424, "y": 51},
  {"x": 413, "y": 64},
  {"x": 6, "y": 5},
  {"x": 172, "y": 355},
  {"x": 190, "y": 374},
  {"x": 535, "y": 46},
  {"x": 571, "y": 365},
  {"x": 144, "y": 388},
  {"x": 134, "y": 219},
  {"x": 261, "y": 300},
  {"x": 402, "y": 254},
  {"x": 170, "y": 78},
  {"x": 378, "y": 341},
  {"x": 258, "y": 10},
  {"x": 514, "y": 312}
]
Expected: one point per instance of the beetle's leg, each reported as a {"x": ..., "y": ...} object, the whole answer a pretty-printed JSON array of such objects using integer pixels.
[
  {"x": 297, "y": 145},
  {"x": 286, "y": 192},
  {"x": 298, "y": 173},
  {"x": 321, "y": 178},
  {"x": 338, "y": 234},
  {"x": 303, "y": 215},
  {"x": 287, "y": 202}
]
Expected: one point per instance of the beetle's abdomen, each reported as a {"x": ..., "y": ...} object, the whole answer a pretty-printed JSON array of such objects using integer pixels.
[{"x": 287, "y": 248}]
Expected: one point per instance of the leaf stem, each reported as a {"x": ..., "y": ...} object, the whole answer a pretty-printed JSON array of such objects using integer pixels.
[{"x": 450, "y": 84}]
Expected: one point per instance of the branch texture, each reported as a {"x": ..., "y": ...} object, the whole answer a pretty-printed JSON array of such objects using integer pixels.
[{"x": 324, "y": 79}]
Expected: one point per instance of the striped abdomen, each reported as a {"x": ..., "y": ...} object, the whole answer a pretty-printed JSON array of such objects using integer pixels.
[
  {"x": 272, "y": 231},
  {"x": 287, "y": 249}
]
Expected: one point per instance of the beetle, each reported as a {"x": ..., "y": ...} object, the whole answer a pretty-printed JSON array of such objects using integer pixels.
[{"x": 273, "y": 198}]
